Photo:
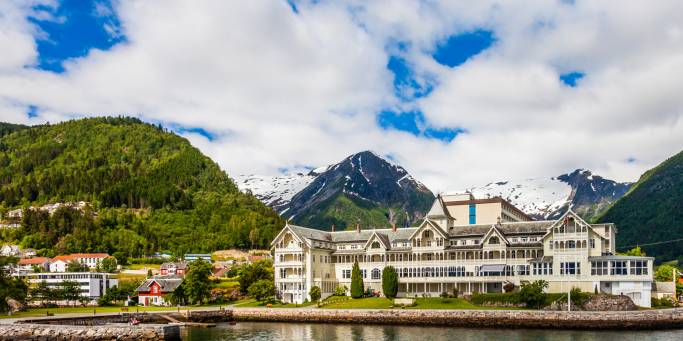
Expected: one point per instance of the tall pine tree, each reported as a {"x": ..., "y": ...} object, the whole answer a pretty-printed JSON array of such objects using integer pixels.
[
  {"x": 389, "y": 282},
  {"x": 357, "y": 287}
]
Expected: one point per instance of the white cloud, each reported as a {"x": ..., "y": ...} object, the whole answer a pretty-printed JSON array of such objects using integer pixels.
[{"x": 283, "y": 90}]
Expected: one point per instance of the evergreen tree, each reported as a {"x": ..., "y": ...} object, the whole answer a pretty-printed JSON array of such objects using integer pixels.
[
  {"x": 389, "y": 282},
  {"x": 357, "y": 287}
]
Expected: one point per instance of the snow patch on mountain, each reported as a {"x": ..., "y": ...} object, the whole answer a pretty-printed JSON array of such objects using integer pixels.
[
  {"x": 538, "y": 197},
  {"x": 276, "y": 191}
]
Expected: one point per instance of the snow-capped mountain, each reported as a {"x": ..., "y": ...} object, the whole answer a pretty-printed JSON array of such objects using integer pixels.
[
  {"x": 547, "y": 198},
  {"x": 366, "y": 178},
  {"x": 363, "y": 188},
  {"x": 276, "y": 191}
]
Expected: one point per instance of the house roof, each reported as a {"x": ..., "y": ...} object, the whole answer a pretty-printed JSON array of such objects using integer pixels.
[
  {"x": 74, "y": 256},
  {"x": 90, "y": 255},
  {"x": 63, "y": 258},
  {"x": 166, "y": 283},
  {"x": 511, "y": 228},
  {"x": 438, "y": 209},
  {"x": 507, "y": 229},
  {"x": 178, "y": 265},
  {"x": 34, "y": 260}
]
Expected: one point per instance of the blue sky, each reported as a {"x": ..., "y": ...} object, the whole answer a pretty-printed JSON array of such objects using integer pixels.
[
  {"x": 285, "y": 85},
  {"x": 75, "y": 27}
]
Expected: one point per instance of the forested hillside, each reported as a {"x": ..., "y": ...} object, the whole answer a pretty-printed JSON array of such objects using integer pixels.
[
  {"x": 148, "y": 190},
  {"x": 652, "y": 211},
  {"x": 7, "y": 128}
]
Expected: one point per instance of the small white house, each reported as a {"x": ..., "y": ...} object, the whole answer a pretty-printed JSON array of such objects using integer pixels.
[{"x": 9, "y": 250}]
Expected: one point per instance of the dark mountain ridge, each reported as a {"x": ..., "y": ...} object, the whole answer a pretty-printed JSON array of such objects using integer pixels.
[{"x": 362, "y": 189}]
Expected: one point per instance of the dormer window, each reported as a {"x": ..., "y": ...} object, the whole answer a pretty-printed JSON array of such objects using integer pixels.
[
  {"x": 375, "y": 245},
  {"x": 494, "y": 240}
]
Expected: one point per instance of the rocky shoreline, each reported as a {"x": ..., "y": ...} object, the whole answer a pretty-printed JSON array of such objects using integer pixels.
[
  {"x": 644, "y": 319},
  {"x": 123, "y": 332},
  {"x": 102, "y": 328}
]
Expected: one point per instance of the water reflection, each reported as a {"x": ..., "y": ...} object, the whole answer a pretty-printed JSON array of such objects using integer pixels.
[{"x": 346, "y": 332}]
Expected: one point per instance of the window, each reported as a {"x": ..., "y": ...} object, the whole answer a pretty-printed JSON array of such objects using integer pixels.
[
  {"x": 494, "y": 240},
  {"x": 542, "y": 269},
  {"x": 364, "y": 273},
  {"x": 619, "y": 267},
  {"x": 592, "y": 243},
  {"x": 463, "y": 242},
  {"x": 638, "y": 267},
  {"x": 599, "y": 268},
  {"x": 473, "y": 214},
  {"x": 551, "y": 244},
  {"x": 375, "y": 274},
  {"x": 456, "y": 271},
  {"x": 522, "y": 270},
  {"x": 283, "y": 273},
  {"x": 346, "y": 273},
  {"x": 354, "y": 247},
  {"x": 375, "y": 245},
  {"x": 570, "y": 268}
]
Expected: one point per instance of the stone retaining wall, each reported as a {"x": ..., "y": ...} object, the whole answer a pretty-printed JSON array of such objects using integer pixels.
[
  {"x": 649, "y": 319},
  {"x": 97, "y": 333}
]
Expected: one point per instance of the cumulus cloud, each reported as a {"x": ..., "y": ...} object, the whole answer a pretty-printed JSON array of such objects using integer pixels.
[{"x": 284, "y": 90}]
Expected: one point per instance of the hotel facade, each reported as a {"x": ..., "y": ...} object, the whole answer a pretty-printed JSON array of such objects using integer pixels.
[{"x": 472, "y": 245}]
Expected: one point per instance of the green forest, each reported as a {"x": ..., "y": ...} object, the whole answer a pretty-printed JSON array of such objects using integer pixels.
[
  {"x": 651, "y": 213},
  {"x": 148, "y": 190}
]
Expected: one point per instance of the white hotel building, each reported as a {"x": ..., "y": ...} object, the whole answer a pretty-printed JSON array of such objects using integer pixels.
[{"x": 464, "y": 243}]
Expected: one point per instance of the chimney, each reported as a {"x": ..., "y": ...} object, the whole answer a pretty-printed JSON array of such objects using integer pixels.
[
  {"x": 393, "y": 227},
  {"x": 332, "y": 227},
  {"x": 357, "y": 227}
]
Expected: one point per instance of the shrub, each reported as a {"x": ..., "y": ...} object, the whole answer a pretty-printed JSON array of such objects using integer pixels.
[
  {"x": 389, "y": 282},
  {"x": 315, "y": 293},
  {"x": 340, "y": 290},
  {"x": 508, "y": 287},
  {"x": 455, "y": 292},
  {"x": 578, "y": 297},
  {"x": 532, "y": 294},
  {"x": 666, "y": 302},
  {"x": 444, "y": 297}
]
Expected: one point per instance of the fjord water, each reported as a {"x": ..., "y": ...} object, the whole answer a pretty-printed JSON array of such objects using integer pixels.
[{"x": 346, "y": 332}]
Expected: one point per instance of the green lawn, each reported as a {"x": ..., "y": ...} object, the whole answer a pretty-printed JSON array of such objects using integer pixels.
[
  {"x": 362, "y": 303},
  {"x": 421, "y": 303},
  {"x": 89, "y": 310},
  {"x": 251, "y": 303},
  {"x": 143, "y": 266}
]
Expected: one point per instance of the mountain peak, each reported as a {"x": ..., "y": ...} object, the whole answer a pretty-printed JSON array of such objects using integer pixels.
[{"x": 363, "y": 187}]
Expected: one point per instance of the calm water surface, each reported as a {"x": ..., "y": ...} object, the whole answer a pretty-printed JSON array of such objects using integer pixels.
[{"x": 346, "y": 332}]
